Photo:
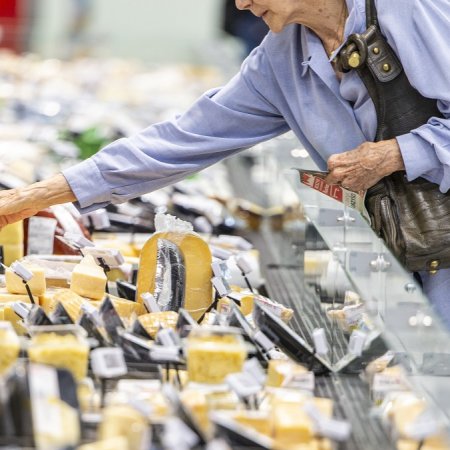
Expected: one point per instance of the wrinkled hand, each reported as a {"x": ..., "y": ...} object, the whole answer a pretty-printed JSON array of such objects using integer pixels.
[
  {"x": 13, "y": 207},
  {"x": 360, "y": 169},
  {"x": 18, "y": 204}
]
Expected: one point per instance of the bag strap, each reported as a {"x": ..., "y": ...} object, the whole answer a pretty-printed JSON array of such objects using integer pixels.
[{"x": 371, "y": 14}]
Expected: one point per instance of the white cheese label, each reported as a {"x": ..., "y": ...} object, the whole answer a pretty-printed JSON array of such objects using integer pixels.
[
  {"x": 41, "y": 234},
  {"x": 44, "y": 393},
  {"x": 303, "y": 381}
]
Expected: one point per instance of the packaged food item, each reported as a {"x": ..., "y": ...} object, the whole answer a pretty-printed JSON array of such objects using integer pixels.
[
  {"x": 54, "y": 406},
  {"x": 175, "y": 266},
  {"x": 63, "y": 346},
  {"x": 11, "y": 239},
  {"x": 213, "y": 353},
  {"x": 195, "y": 402},
  {"x": 9, "y": 347},
  {"x": 37, "y": 284},
  {"x": 88, "y": 279},
  {"x": 279, "y": 372},
  {"x": 124, "y": 421},
  {"x": 69, "y": 299},
  {"x": 259, "y": 421},
  {"x": 152, "y": 322},
  {"x": 114, "y": 443}
]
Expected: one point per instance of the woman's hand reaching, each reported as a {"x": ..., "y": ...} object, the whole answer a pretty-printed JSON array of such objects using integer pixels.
[
  {"x": 18, "y": 204},
  {"x": 360, "y": 169}
]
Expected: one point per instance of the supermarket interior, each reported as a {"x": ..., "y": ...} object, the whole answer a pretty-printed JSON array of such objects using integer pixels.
[{"x": 179, "y": 270}]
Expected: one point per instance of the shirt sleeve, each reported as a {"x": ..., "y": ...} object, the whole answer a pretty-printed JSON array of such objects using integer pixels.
[
  {"x": 418, "y": 32},
  {"x": 219, "y": 124}
]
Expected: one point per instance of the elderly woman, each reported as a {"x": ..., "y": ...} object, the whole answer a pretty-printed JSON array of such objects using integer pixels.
[{"x": 292, "y": 81}]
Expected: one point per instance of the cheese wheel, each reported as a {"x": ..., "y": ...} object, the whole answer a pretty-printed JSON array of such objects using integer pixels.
[{"x": 198, "y": 273}]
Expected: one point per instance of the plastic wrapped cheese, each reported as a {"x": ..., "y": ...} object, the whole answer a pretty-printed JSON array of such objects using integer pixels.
[
  {"x": 279, "y": 371},
  {"x": 123, "y": 421},
  {"x": 9, "y": 347},
  {"x": 61, "y": 346},
  {"x": 213, "y": 354},
  {"x": 188, "y": 255},
  {"x": 11, "y": 238},
  {"x": 152, "y": 322}
]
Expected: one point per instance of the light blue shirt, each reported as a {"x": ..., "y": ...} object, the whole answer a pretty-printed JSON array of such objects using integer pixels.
[{"x": 288, "y": 83}]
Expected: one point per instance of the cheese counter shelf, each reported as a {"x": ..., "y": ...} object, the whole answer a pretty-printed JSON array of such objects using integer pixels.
[{"x": 365, "y": 297}]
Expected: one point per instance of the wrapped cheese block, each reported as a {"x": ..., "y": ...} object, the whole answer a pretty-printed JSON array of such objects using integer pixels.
[
  {"x": 62, "y": 346},
  {"x": 280, "y": 371},
  {"x": 114, "y": 443},
  {"x": 11, "y": 238},
  {"x": 259, "y": 421},
  {"x": 88, "y": 279},
  {"x": 153, "y": 321},
  {"x": 9, "y": 347},
  {"x": 123, "y": 421},
  {"x": 37, "y": 284},
  {"x": 175, "y": 266},
  {"x": 212, "y": 355}
]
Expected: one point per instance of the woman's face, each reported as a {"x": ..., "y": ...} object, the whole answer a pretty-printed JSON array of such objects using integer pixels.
[{"x": 276, "y": 13}]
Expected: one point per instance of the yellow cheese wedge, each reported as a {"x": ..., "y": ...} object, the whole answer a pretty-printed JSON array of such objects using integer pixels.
[
  {"x": 197, "y": 261},
  {"x": 291, "y": 425},
  {"x": 7, "y": 313},
  {"x": 9, "y": 348},
  {"x": 6, "y": 297},
  {"x": 279, "y": 370},
  {"x": 37, "y": 284},
  {"x": 259, "y": 421},
  {"x": 153, "y": 321},
  {"x": 246, "y": 306},
  {"x": 114, "y": 443},
  {"x": 127, "y": 308},
  {"x": 12, "y": 234},
  {"x": 210, "y": 359},
  {"x": 65, "y": 351},
  {"x": 124, "y": 421},
  {"x": 12, "y": 252},
  {"x": 88, "y": 279},
  {"x": 195, "y": 402}
]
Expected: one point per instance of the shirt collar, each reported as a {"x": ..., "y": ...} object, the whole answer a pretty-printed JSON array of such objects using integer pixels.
[{"x": 355, "y": 23}]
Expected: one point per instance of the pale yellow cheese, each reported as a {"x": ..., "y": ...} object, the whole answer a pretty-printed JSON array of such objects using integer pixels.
[
  {"x": 11, "y": 238},
  {"x": 153, "y": 321},
  {"x": 246, "y": 306},
  {"x": 114, "y": 443},
  {"x": 279, "y": 370},
  {"x": 9, "y": 348},
  {"x": 291, "y": 425},
  {"x": 88, "y": 279},
  {"x": 124, "y": 421},
  {"x": 68, "y": 435},
  {"x": 211, "y": 358},
  {"x": 259, "y": 421},
  {"x": 8, "y": 314},
  {"x": 197, "y": 262},
  {"x": 71, "y": 301},
  {"x": 64, "y": 351},
  {"x": 12, "y": 252},
  {"x": 37, "y": 284},
  {"x": 12, "y": 234},
  {"x": 6, "y": 297},
  {"x": 127, "y": 308},
  {"x": 406, "y": 408},
  {"x": 195, "y": 402}
]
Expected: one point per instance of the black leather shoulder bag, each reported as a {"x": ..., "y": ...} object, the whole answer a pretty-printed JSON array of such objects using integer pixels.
[{"x": 413, "y": 218}]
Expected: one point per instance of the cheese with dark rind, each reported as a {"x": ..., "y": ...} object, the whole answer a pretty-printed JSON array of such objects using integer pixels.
[{"x": 197, "y": 262}]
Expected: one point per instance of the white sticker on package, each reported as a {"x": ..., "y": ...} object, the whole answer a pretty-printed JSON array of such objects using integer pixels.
[
  {"x": 46, "y": 415},
  {"x": 41, "y": 234}
]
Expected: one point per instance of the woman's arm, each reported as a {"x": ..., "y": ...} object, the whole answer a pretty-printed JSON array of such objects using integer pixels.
[
  {"x": 17, "y": 204},
  {"x": 222, "y": 122}
]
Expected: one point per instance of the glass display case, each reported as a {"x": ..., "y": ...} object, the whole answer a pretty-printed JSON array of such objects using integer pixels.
[{"x": 342, "y": 257}]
